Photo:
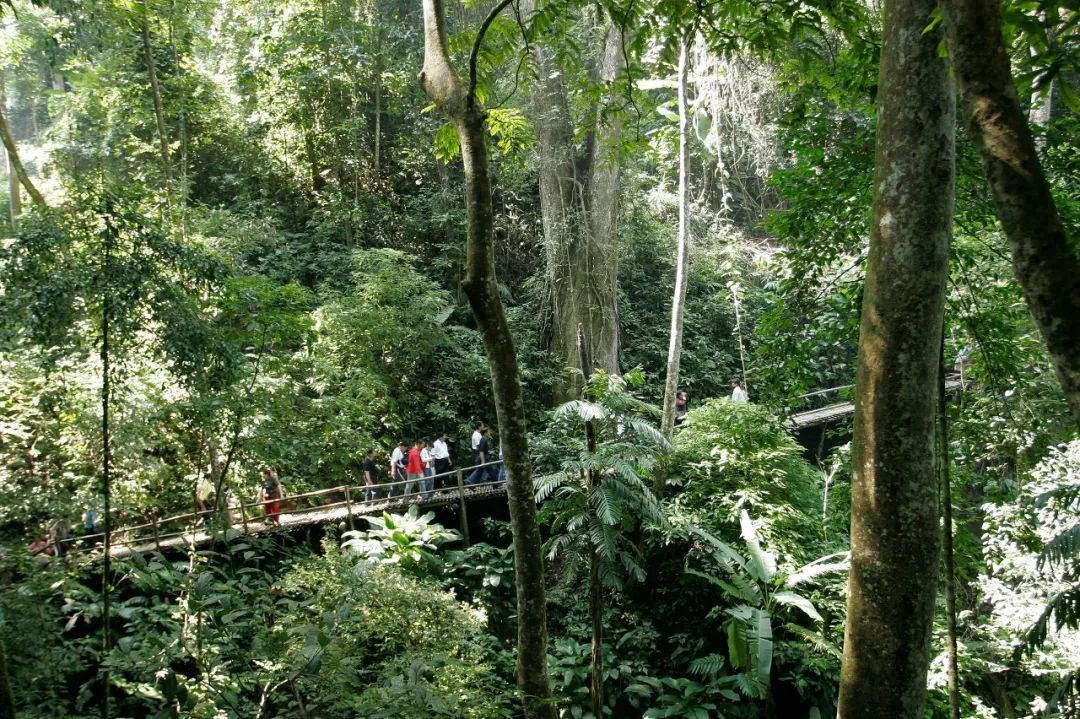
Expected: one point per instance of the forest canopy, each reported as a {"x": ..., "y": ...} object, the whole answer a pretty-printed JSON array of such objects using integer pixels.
[{"x": 760, "y": 321}]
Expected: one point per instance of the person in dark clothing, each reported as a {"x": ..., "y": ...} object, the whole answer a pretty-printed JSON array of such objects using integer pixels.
[
  {"x": 371, "y": 475},
  {"x": 483, "y": 456},
  {"x": 682, "y": 406}
]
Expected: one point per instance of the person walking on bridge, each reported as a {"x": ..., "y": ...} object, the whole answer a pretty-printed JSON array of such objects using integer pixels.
[
  {"x": 738, "y": 391},
  {"x": 428, "y": 485},
  {"x": 397, "y": 467},
  {"x": 272, "y": 494},
  {"x": 441, "y": 454},
  {"x": 414, "y": 469},
  {"x": 483, "y": 456},
  {"x": 371, "y": 475}
]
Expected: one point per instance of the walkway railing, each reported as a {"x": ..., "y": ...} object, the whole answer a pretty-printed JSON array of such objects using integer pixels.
[{"x": 343, "y": 502}]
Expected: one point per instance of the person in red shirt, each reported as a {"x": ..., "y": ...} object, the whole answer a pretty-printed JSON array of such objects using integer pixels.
[{"x": 414, "y": 469}]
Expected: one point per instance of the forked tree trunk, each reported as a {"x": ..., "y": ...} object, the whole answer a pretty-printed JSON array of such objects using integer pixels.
[
  {"x": 578, "y": 205},
  {"x": 155, "y": 91},
  {"x": 1046, "y": 267},
  {"x": 682, "y": 258},
  {"x": 894, "y": 515},
  {"x": 14, "y": 163},
  {"x": 443, "y": 86}
]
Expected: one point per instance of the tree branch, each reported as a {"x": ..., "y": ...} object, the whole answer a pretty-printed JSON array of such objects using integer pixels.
[{"x": 475, "y": 54}]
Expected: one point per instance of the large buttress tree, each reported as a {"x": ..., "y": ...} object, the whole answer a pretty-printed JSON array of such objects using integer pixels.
[
  {"x": 579, "y": 191},
  {"x": 894, "y": 512},
  {"x": 460, "y": 105},
  {"x": 1047, "y": 268}
]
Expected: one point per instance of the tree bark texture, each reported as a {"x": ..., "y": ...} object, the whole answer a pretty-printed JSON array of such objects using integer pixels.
[
  {"x": 1045, "y": 265},
  {"x": 14, "y": 163},
  {"x": 894, "y": 514},
  {"x": 442, "y": 84},
  {"x": 579, "y": 204},
  {"x": 155, "y": 91},
  {"x": 682, "y": 259}
]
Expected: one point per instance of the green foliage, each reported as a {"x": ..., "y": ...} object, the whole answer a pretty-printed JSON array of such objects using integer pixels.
[
  {"x": 731, "y": 456},
  {"x": 368, "y": 638},
  {"x": 408, "y": 540},
  {"x": 598, "y": 498},
  {"x": 760, "y": 594}
]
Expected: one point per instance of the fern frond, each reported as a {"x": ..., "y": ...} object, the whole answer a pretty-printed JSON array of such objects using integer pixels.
[
  {"x": 1064, "y": 546},
  {"x": 1063, "y": 610},
  {"x": 815, "y": 640},
  {"x": 708, "y": 666}
]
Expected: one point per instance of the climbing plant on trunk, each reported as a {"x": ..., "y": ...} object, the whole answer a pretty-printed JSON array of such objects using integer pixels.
[{"x": 458, "y": 102}]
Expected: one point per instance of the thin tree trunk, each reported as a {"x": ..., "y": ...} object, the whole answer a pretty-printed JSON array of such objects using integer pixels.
[
  {"x": 14, "y": 195},
  {"x": 14, "y": 163},
  {"x": 682, "y": 259},
  {"x": 894, "y": 514},
  {"x": 1046, "y": 267},
  {"x": 444, "y": 87},
  {"x": 155, "y": 91},
  {"x": 7, "y": 697},
  {"x": 596, "y": 599},
  {"x": 947, "y": 533},
  {"x": 378, "y": 99},
  {"x": 106, "y": 465}
]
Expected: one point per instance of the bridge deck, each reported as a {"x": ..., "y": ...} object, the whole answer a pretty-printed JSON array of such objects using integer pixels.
[
  {"x": 833, "y": 412},
  {"x": 326, "y": 506}
]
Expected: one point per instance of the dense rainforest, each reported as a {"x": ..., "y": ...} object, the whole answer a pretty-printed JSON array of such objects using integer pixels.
[{"x": 764, "y": 316}]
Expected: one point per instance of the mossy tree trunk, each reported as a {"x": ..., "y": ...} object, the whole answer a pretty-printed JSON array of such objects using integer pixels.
[
  {"x": 894, "y": 514},
  {"x": 459, "y": 103},
  {"x": 1046, "y": 267}
]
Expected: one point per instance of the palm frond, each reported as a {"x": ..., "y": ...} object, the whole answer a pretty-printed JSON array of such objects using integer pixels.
[
  {"x": 586, "y": 411},
  {"x": 732, "y": 590},
  {"x": 818, "y": 567},
  {"x": 791, "y": 599}
]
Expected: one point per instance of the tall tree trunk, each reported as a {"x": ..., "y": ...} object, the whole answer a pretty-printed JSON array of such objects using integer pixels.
[
  {"x": 443, "y": 86},
  {"x": 682, "y": 259},
  {"x": 14, "y": 195},
  {"x": 945, "y": 483},
  {"x": 596, "y": 597},
  {"x": 14, "y": 163},
  {"x": 1046, "y": 267},
  {"x": 894, "y": 514},
  {"x": 378, "y": 101},
  {"x": 578, "y": 203},
  {"x": 155, "y": 91}
]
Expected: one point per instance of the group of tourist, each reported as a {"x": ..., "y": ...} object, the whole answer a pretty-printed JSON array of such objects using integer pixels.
[
  {"x": 415, "y": 468},
  {"x": 682, "y": 401}
]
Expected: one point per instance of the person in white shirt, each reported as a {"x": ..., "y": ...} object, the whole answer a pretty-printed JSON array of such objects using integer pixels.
[
  {"x": 476, "y": 436},
  {"x": 738, "y": 391},
  {"x": 427, "y": 485},
  {"x": 440, "y": 453},
  {"x": 397, "y": 467}
]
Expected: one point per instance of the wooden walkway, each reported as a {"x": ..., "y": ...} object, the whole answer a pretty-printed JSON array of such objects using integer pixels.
[
  {"x": 833, "y": 412},
  {"x": 333, "y": 505}
]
